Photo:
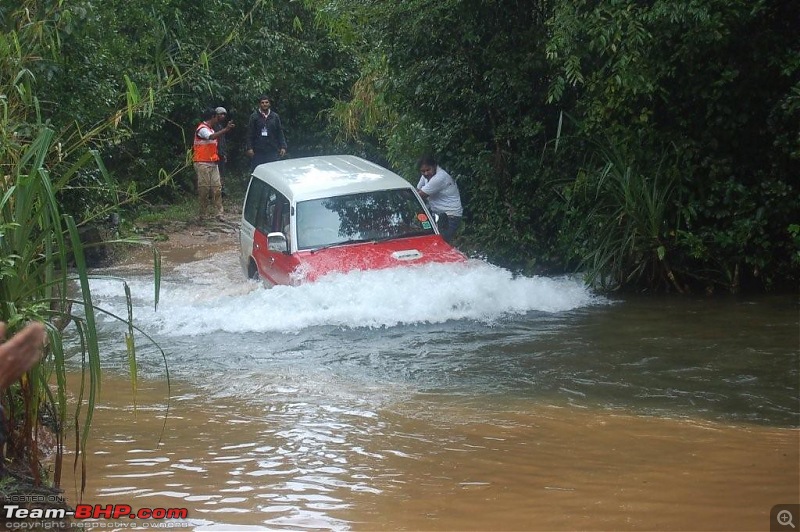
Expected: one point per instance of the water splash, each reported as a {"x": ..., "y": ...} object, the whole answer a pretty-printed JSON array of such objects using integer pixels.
[{"x": 212, "y": 295}]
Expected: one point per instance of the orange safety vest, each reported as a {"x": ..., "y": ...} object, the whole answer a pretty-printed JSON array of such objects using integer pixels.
[{"x": 205, "y": 150}]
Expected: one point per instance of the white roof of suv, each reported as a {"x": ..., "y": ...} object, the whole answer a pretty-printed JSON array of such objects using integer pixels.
[{"x": 327, "y": 176}]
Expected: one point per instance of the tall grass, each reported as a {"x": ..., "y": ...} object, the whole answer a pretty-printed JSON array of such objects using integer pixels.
[
  {"x": 43, "y": 271},
  {"x": 38, "y": 283},
  {"x": 625, "y": 237}
]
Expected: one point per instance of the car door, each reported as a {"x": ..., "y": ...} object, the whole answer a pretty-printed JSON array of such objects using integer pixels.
[
  {"x": 274, "y": 265},
  {"x": 254, "y": 198}
]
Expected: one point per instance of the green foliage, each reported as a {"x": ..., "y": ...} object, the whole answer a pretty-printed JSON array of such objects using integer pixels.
[
  {"x": 619, "y": 216},
  {"x": 794, "y": 233},
  {"x": 717, "y": 80},
  {"x": 220, "y": 53},
  {"x": 737, "y": 235},
  {"x": 178, "y": 212},
  {"x": 43, "y": 271},
  {"x": 484, "y": 83}
]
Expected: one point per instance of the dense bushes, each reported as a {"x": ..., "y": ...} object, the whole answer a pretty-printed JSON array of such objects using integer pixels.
[
  {"x": 677, "y": 167},
  {"x": 218, "y": 53},
  {"x": 550, "y": 113}
]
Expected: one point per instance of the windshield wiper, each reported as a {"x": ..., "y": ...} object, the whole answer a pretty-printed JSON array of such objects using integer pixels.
[
  {"x": 343, "y": 243},
  {"x": 373, "y": 240}
]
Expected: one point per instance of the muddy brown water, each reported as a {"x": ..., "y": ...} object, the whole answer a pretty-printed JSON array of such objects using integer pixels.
[
  {"x": 507, "y": 404},
  {"x": 529, "y": 468}
]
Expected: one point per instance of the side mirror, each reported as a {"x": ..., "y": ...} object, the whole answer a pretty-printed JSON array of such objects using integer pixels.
[{"x": 277, "y": 242}]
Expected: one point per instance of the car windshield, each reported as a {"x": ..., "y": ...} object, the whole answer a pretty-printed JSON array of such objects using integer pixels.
[{"x": 380, "y": 215}]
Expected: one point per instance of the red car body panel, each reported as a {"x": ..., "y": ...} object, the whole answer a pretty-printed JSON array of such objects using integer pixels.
[{"x": 310, "y": 265}]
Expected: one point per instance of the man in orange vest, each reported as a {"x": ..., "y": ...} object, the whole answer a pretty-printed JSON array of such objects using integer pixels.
[{"x": 205, "y": 159}]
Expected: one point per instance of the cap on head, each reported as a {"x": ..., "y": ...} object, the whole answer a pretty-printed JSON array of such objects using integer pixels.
[{"x": 220, "y": 111}]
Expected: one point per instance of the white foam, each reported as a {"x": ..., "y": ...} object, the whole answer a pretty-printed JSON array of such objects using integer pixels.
[{"x": 213, "y": 295}]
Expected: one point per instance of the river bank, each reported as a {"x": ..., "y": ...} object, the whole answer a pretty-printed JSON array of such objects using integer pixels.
[{"x": 181, "y": 241}]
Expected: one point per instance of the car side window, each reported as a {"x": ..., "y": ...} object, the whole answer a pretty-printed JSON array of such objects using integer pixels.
[
  {"x": 283, "y": 216},
  {"x": 265, "y": 219},
  {"x": 255, "y": 196}
]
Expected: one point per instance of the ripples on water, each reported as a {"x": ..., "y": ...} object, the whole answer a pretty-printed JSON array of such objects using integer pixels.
[
  {"x": 470, "y": 330},
  {"x": 437, "y": 328},
  {"x": 444, "y": 385}
]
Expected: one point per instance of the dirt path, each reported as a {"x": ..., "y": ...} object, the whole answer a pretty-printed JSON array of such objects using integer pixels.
[{"x": 181, "y": 242}]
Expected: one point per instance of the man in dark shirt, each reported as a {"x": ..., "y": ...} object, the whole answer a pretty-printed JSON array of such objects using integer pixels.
[{"x": 265, "y": 141}]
